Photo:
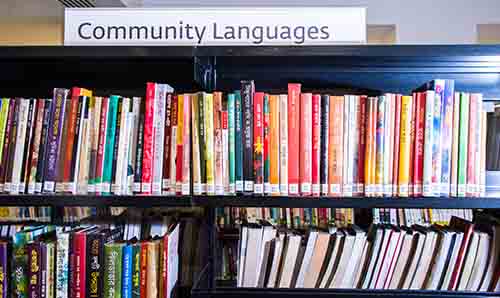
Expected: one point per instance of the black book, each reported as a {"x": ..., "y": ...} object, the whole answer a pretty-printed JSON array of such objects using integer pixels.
[
  {"x": 325, "y": 124},
  {"x": 12, "y": 145},
  {"x": 40, "y": 167},
  {"x": 43, "y": 270},
  {"x": 140, "y": 149},
  {"x": 28, "y": 146},
  {"x": 247, "y": 93},
  {"x": 116, "y": 143},
  {"x": 95, "y": 262}
]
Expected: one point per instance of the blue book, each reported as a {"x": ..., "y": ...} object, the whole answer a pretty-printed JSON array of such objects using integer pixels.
[
  {"x": 238, "y": 148},
  {"x": 446, "y": 136},
  {"x": 127, "y": 272}
]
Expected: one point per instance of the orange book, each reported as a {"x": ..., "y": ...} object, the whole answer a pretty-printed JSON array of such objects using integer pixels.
[
  {"x": 293, "y": 138},
  {"x": 371, "y": 118},
  {"x": 335, "y": 146},
  {"x": 305, "y": 144},
  {"x": 274, "y": 143}
]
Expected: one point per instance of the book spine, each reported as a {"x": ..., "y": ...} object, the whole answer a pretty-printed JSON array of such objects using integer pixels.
[
  {"x": 147, "y": 159},
  {"x": 225, "y": 148},
  {"x": 379, "y": 137},
  {"x": 95, "y": 104},
  {"x": 430, "y": 98},
  {"x": 463, "y": 139},
  {"x": 231, "y": 115},
  {"x": 316, "y": 144},
  {"x": 84, "y": 154},
  {"x": 258, "y": 142},
  {"x": 94, "y": 262},
  {"x": 61, "y": 160},
  {"x": 54, "y": 138},
  {"x": 305, "y": 143},
  {"x": 478, "y": 146},
  {"x": 267, "y": 158},
  {"x": 20, "y": 145},
  {"x": 80, "y": 249},
  {"x": 4, "y": 111},
  {"x": 386, "y": 180},
  {"x": 471, "y": 159},
  {"x": 62, "y": 263},
  {"x": 238, "y": 146},
  {"x": 396, "y": 133},
  {"x": 219, "y": 184},
  {"x": 152, "y": 272},
  {"x": 274, "y": 144},
  {"x": 127, "y": 272},
  {"x": 117, "y": 159},
  {"x": 362, "y": 145},
  {"x": 335, "y": 147},
  {"x": 411, "y": 181},
  {"x": 136, "y": 110},
  {"x": 210, "y": 149},
  {"x": 446, "y": 136},
  {"x": 324, "y": 134},
  {"x": 283, "y": 143},
  {"x": 354, "y": 141},
  {"x": 419, "y": 144},
  {"x": 404, "y": 148},
  {"x": 186, "y": 151},
  {"x": 12, "y": 145},
  {"x": 113, "y": 270},
  {"x": 247, "y": 98},
  {"x": 40, "y": 167},
  {"x": 168, "y": 143},
  {"x": 482, "y": 148},
  {"x": 51, "y": 270},
  {"x": 195, "y": 140},
  {"x": 202, "y": 98},
  {"x": 70, "y": 135},
  {"x": 4, "y": 265},
  {"x": 34, "y": 276},
  {"x": 437, "y": 140},
  {"x": 293, "y": 138},
  {"x": 103, "y": 125},
  {"x": 179, "y": 143},
  {"x": 144, "y": 269},
  {"x": 110, "y": 142},
  {"x": 173, "y": 147},
  {"x": 159, "y": 139},
  {"x": 136, "y": 271},
  {"x": 369, "y": 166},
  {"x": 455, "y": 145},
  {"x": 347, "y": 146},
  {"x": 7, "y": 113},
  {"x": 164, "y": 293},
  {"x": 71, "y": 184},
  {"x": 28, "y": 147},
  {"x": 139, "y": 153}
]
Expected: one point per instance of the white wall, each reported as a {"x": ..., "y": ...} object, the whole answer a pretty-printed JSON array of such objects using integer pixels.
[{"x": 417, "y": 22}]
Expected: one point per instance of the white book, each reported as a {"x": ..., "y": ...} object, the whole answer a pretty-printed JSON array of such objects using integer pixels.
[
  {"x": 268, "y": 234},
  {"x": 384, "y": 246},
  {"x": 357, "y": 250},
  {"x": 283, "y": 122},
  {"x": 83, "y": 172},
  {"x": 252, "y": 257},
  {"x": 62, "y": 265},
  {"x": 453, "y": 259},
  {"x": 242, "y": 256},
  {"x": 73, "y": 185},
  {"x": 345, "y": 257},
  {"x": 387, "y": 267},
  {"x": 492, "y": 260},
  {"x": 20, "y": 144},
  {"x": 481, "y": 262},
  {"x": 439, "y": 263},
  {"x": 428, "y": 139},
  {"x": 159, "y": 136},
  {"x": 330, "y": 269},
  {"x": 306, "y": 261},
  {"x": 128, "y": 176},
  {"x": 116, "y": 186},
  {"x": 376, "y": 248},
  {"x": 468, "y": 262},
  {"x": 278, "y": 252},
  {"x": 414, "y": 260},
  {"x": 290, "y": 258}
]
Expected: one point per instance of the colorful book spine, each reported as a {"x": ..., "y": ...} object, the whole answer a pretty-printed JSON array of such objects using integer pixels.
[
  {"x": 361, "y": 146},
  {"x": 195, "y": 116},
  {"x": 36, "y": 146},
  {"x": 4, "y": 261},
  {"x": 113, "y": 253},
  {"x": 117, "y": 158},
  {"x": 387, "y": 168},
  {"x": 411, "y": 181},
  {"x": 305, "y": 143},
  {"x": 348, "y": 146},
  {"x": 84, "y": 154},
  {"x": 12, "y": 144},
  {"x": 4, "y": 137},
  {"x": 446, "y": 136},
  {"x": 247, "y": 98},
  {"x": 95, "y": 105},
  {"x": 148, "y": 147},
  {"x": 28, "y": 146},
  {"x": 482, "y": 153},
  {"x": 180, "y": 144},
  {"x": 79, "y": 251},
  {"x": 219, "y": 184},
  {"x": 335, "y": 147},
  {"x": 380, "y": 142},
  {"x": 283, "y": 143},
  {"x": 396, "y": 133},
  {"x": 127, "y": 272},
  {"x": 40, "y": 169},
  {"x": 418, "y": 167},
  {"x": 369, "y": 167},
  {"x": 472, "y": 162},
  {"x": 70, "y": 135},
  {"x": 202, "y": 133},
  {"x": 274, "y": 144},
  {"x": 139, "y": 152},
  {"x": 186, "y": 150},
  {"x": 267, "y": 159},
  {"x": 258, "y": 142},
  {"x": 158, "y": 138},
  {"x": 239, "y": 145},
  {"x": 438, "y": 86},
  {"x": 316, "y": 144},
  {"x": 168, "y": 143},
  {"x": 136, "y": 270},
  {"x": 62, "y": 265},
  {"x": 209, "y": 143},
  {"x": 354, "y": 141},
  {"x": 455, "y": 145},
  {"x": 101, "y": 147},
  {"x": 173, "y": 147},
  {"x": 144, "y": 269},
  {"x": 94, "y": 260},
  {"x": 463, "y": 141},
  {"x": 405, "y": 146},
  {"x": 136, "y": 111},
  {"x": 324, "y": 138},
  {"x": 225, "y": 147},
  {"x": 293, "y": 138},
  {"x": 34, "y": 274},
  {"x": 60, "y": 184},
  {"x": 430, "y": 98},
  {"x": 231, "y": 118},
  {"x": 79, "y": 139},
  {"x": 109, "y": 146}
]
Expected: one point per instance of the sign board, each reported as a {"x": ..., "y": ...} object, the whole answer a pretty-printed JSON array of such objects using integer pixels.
[{"x": 215, "y": 26}]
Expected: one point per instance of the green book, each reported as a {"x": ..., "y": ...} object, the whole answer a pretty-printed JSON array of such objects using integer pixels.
[
  {"x": 463, "y": 134},
  {"x": 113, "y": 256},
  {"x": 231, "y": 128},
  {"x": 107, "y": 173},
  {"x": 136, "y": 270}
]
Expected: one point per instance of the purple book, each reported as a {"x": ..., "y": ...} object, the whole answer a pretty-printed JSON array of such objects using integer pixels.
[
  {"x": 54, "y": 138},
  {"x": 3, "y": 269}
]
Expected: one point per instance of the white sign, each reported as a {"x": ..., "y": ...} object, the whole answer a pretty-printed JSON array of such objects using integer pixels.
[{"x": 215, "y": 26}]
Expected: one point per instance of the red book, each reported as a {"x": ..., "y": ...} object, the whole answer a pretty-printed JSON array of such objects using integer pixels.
[
  {"x": 305, "y": 145},
  {"x": 80, "y": 250},
  {"x": 411, "y": 177},
  {"x": 103, "y": 124},
  {"x": 164, "y": 268},
  {"x": 316, "y": 137},
  {"x": 395, "y": 165},
  {"x": 179, "y": 153},
  {"x": 144, "y": 269},
  {"x": 147, "y": 159},
  {"x": 167, "y": 143},
  {"x": 467, "y": 228},
  {"x": 418, "y": 167},
  {"x": 293, "y": 138},
  {"x": 258, "y": 142},
  {"x": 361, "y": 145},
  {"x": 68, "y": 155}
]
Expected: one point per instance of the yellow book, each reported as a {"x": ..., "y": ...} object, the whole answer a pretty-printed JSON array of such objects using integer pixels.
[
  {"x": 274, "y": 143},
  {"x": 195, "y": 112},
  {"x": 404, "y": 146},
  {"x": 209, "y": 143},
  {"x": 180, "y": 138}
]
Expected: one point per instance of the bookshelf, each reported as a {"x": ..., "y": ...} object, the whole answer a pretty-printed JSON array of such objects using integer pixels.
[{"x": 33, "y": 71}]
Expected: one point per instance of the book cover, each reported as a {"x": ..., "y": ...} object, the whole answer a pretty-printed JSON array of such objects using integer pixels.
[
  {"x": 109, "y": 145},
  {"x": 316, "y": 144},
  {"x": 455, "y": 145},
  {"x": 127, "y": 272},
  {"x": 179, "y": 144},
  {"x": 195, "y": 141},
  {"x": 136, "y": 270},
  {"x": 186, "y": 151},
  {"x": 173, "y": 147},
  {"x": 388, "y": 139},
  {"x": 274, "y": 144},
  {"x": 202, "y": 140},
  {"x": 94, "y": 122},
  {"x": 258, "y": 142},
  {"x": 305, "y": 143},
  {"x": 84, "y": 154},
  {"x": 283, "y": 143},
  {"x": 5, "y": 115},
  {"x": 239, "y": 145},
  {"x": 167, "y": 144},
  {"x": 335, "y": 147},
  {"x": 209, "y": 143},
  {"x": 446, "y": 136},
  {"x": 148, "y": 143},
  {"x": 103, "y": 127},
  {"x": 62, "y": 265},
  {"x": 463, "y": 141},
  {"x": 247, "y": 98},
  {"x": 28, "y": 145},
  {"x": 293, "y": 138},
  {"x": 158, "y": 138},
  {"x": 219, "y": 184},
  {"x": 113, "y": 253},
  {"x": 36, "y": 146},
  {"x": 380, "y": 146},
  {"x": 139, "y": 152},
  {"x": 231, "y": 119},
  {"x": 430, "y": 98},
  {"x": 405, "y": 145},
  {"x": 418, "y": 166},
  {"x": 267, "y": 158},
  {"x": 324, "y": 140},
  {"x": 478, "y": 148}
]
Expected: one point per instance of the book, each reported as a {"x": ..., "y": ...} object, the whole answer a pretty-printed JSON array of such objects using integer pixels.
[
  {"x": 238, "y": 140},
  {"x": 139, "y": 152},
  {"x": 148, "y": 143},
  {"x": 274, "y": 144},
  {"x": 293, "y": 112},
  {"x": 305, "y": 143},
  {"x": 107, "y": 171},
  {"x": 283, "y": 143},
  {"x": 209, "y": 143},
  {"x": 446, "y": 135},
  {"x": 196, "y": 141},
  {"x": 316, "y": 144},
  {"x": 258, "y": 142},
  {"x": 335, "y": 145},
  {"x": 113, "y": 253},
  {"x": 218, "y": 150},
  {"x": 159, "y": 136},
  {"x": 324, "y": 142},
  {"x": 231, "y": 117},
  {"x": 247, "y": 98},
  {"x": 186, "y": 151},
  {"x": 171, "y": 189},
  {"x": 404, "y": 158},
  {"x": 266, "y": 152},
  {"x": 168, "y": 143},
  {"x": 430, "y": 98}
]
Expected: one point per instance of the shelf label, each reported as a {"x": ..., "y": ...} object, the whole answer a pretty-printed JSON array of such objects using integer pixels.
[{"x": 287, "y": 26}]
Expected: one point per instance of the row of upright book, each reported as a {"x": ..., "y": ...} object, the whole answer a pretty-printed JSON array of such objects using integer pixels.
[
  {"x": 89, "y": 261},
  {"x": 299, "y": 143},
  {"x": 461, "y": 257}
]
